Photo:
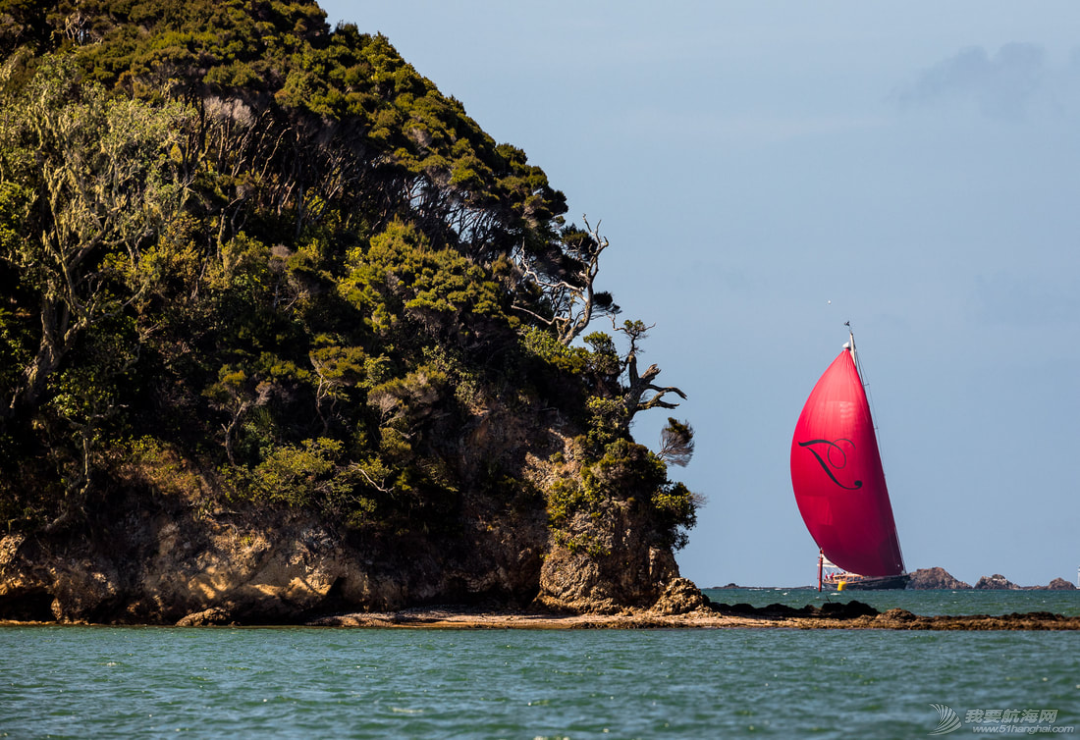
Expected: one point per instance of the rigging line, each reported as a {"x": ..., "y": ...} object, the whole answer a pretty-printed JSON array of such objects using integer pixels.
[
  {"x": 863, "y": 380},
  {"x": 862, "y": 375}
]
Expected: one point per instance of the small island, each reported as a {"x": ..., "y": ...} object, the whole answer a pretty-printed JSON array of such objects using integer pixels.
[
  {"x": 939, "y": 578},
  {"x": 285, "y": 333}
]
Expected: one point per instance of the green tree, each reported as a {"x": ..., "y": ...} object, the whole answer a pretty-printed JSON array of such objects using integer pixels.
[{"x": 89, "y": 183}]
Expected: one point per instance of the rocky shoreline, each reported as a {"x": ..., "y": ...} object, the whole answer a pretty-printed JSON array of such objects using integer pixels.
[
  {"x": 682, "y": 606},
  {"x": 705, "y": 618},
  {"x": 894, "y": 619}
]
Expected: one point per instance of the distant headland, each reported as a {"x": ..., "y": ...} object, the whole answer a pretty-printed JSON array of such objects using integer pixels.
[{"x": 937, "y": 578}]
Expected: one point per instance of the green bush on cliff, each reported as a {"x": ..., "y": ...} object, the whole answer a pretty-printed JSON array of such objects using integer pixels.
[
  {"x": 242, "y": 249},
  {"x": 626, "y": 473}
]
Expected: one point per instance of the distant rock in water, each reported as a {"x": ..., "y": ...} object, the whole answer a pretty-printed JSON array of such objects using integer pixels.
[
  {"x": 1058, "y": 584},
  {"x": 998, "y": 582},
  {"x": 935, "y": 578}
]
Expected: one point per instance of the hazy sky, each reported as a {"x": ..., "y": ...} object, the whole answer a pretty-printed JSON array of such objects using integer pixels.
[{"x": 916, "y": 164}]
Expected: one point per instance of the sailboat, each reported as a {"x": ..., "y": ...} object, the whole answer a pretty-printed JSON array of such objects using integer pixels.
[{"x": 839, "y": 483}]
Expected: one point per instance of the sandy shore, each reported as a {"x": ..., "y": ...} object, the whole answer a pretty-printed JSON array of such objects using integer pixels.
[{"x": 698, "y": 619}]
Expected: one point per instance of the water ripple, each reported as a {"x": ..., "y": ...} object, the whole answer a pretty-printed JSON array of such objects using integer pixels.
[{"x": 224, "y": 683}]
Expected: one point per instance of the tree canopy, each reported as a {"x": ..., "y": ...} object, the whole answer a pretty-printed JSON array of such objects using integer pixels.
[{"x": 232, "y": 235}]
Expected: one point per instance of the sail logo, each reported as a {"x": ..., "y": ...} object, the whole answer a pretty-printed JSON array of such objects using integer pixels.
[
  {"x": 831, "y": 456},
  {"x": 947, "y": 720}
]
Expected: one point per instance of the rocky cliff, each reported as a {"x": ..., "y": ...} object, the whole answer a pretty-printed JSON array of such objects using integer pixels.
[
  {"x": 173, "y": 563},
  {"x": 307, "y": 337}
]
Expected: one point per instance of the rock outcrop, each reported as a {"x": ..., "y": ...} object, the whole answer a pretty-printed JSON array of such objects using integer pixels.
[
  {"x": 939, "y": 578},
  {"x": 180, "y": 565},
  {"x": 996, "y": 581},
  {"x": 680, "y": 596},
  {"x": 174, "y": 562},
  {"x": 935, "y": 578},
  {"x": 619, "y": 567}
]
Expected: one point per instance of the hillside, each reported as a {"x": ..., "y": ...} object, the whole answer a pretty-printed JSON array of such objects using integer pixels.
[{"x": 283, "y": 331}]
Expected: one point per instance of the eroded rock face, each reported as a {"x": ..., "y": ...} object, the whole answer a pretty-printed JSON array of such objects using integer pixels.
[
  {"x": 1059, "y": 584},
  {"x": 168, "y": 557},
  {"x": 680, "y": 596},
  {"x": 612, "y": 566},
  {"x": 249, "y": 567},
  {"x": 935, "y": 578}
]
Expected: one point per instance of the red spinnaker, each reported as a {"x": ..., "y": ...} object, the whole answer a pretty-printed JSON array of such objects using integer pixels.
[{"x": 837, "y": 476}]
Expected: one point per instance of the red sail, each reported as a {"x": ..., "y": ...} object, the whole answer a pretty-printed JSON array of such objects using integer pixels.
[{"x": 837, "y": 476}]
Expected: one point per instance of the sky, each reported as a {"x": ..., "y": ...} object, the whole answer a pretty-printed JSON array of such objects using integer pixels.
[{"x": 766, "y": 172}]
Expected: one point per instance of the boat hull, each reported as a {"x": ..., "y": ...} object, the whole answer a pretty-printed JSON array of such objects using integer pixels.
[{"x": 881, "y": 583}]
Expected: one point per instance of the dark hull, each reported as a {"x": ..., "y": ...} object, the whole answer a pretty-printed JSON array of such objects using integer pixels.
[{"x": 874, "y": 584}]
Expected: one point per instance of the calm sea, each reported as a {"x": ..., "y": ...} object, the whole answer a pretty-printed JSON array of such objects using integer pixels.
[{"x": 120, "y": 682}]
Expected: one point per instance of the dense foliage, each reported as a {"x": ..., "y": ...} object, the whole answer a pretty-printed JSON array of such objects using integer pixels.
[{"x": 245, "y": 253}]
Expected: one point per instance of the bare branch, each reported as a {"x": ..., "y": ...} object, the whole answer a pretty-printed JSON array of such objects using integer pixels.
[{"x": 565, "y": 280}]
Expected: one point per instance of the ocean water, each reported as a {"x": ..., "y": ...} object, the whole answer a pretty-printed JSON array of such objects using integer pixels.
[
  {"x": 120, "y": 682},
  {"x": 927, "y": 603}
]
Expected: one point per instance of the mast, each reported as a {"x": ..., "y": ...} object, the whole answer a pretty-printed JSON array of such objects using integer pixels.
[
  {"x": 850, "y": 346},
  {"x": 862, "y": 380}
]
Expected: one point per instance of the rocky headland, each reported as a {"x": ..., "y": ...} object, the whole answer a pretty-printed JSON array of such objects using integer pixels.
[
  {"x": 181, "y": 564},
  {"x": 326, "y": 348}
]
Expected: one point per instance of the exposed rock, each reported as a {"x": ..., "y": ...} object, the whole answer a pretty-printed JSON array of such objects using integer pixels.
[
  {"x": 608, "y": 564},
  {"x": 154, "y": 554},
  {"x": 847, "y": 610},
  {"x": 939, "y": 578},
  {"x": 178, "y": 563},
  {"x": 852, "y": 615},
  {"x": 168, "y": 561},
  {"x": 935, "y": 578},
  {"x": 215, "y": 616},
  {"x": 834, "y": 610},
  {"x": 772, "y": 611},
  {"x": 996, "y": 581},
  {"x": 896, "y": 615},
  {"x": 586, "y": 584},
  {"x": 680, "y": 596}
]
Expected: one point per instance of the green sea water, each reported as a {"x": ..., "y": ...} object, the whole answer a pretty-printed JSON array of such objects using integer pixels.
[
  {"x": 121, "y": 682},
  {"x": 927, "y": 603}
]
